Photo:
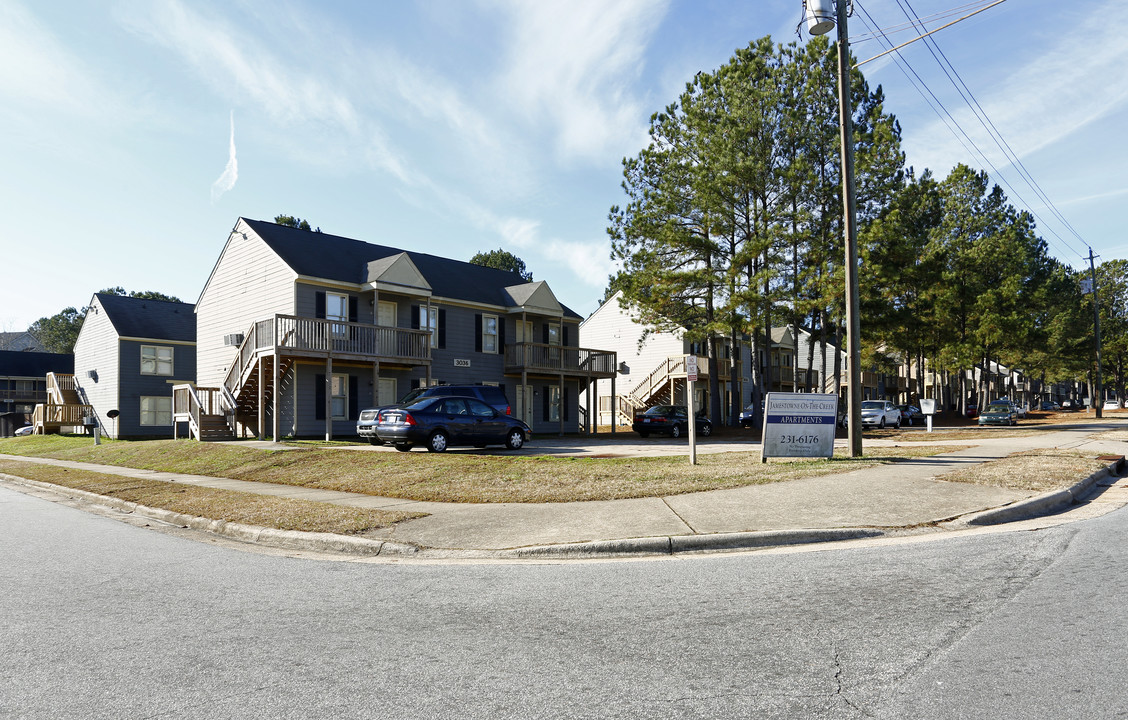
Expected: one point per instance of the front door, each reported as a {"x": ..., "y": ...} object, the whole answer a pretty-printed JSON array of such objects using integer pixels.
[{"x": 525, "y": 404}]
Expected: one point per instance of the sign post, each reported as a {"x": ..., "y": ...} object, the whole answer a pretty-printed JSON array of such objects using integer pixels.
[
  {"x": 691, "y": 377},
  {"x": 799, "y": 425},
  {"x": 928, "y": 407}
]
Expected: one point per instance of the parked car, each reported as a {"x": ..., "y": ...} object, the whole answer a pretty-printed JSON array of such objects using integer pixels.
[
  {"x": 442, "y": 422},
  {"x": 1110, "y": 405},
  {"x": 879, "y": 413},
  {"x": 489, "y": 394},
  {"x": 747, "y": 416},
  {"x": 1067, "y": 405},
  {"x": 909, "y": 413},
  {"x": 672, "y": 420},
  {"x": 25, "y": 430},
  {"x": 997, "y": 414},
  {"x": 1050, "y": 405},
  {"x": 972, "y": 410},
  {"x": 1007, "y": 404}
]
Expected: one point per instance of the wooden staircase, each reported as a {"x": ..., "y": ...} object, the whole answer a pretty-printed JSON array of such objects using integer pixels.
[{"x": 64, "y": 406}]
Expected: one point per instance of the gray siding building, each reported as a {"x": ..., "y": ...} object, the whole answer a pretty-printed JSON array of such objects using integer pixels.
[
  {"x": 128, "y": 355},
  {"x": 301, "y": 330}
]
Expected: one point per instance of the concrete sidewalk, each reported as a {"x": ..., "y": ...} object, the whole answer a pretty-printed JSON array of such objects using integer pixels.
[{"x": 855, "y": 504}]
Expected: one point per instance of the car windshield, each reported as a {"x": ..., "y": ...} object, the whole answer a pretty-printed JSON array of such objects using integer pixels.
[
  {"x": 996, "y": 410},
  {"x": 873, "y": 405}
]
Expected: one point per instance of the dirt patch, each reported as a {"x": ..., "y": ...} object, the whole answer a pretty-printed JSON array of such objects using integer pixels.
[{"x": 1033, "y": 470}]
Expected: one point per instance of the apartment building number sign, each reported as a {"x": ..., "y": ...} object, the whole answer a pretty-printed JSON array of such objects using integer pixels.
[{"x": 799, "y": 425}]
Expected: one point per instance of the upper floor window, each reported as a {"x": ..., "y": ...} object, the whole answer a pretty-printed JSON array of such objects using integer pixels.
[
  {"x": 430, "y": 317},
  {"x": 489, "y": 333},
  {"x": 554, "y": 333},
  {"x": 337, "y": 308},
  {"x": 156, "y": 360}
]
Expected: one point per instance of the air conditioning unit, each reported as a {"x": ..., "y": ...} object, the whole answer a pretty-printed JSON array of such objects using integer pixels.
[{"x": 233, "y": 340}]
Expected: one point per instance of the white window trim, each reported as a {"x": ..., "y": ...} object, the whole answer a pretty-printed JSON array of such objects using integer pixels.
[
  {"x": 157, "y": 360},
  {"x": 342, "y": 304},
  {"x": 156, "y": 414},
  {"x": 496, "y": 334},
  {"x": 559, "y": 334},
  {"x": 429, "y": 314},
  {"x": 344, "y": 378}
]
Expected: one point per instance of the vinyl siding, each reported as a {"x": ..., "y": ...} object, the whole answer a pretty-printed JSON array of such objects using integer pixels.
[
  {"x": 97, "y": 349},
  {"x": 249, "y": 283},
  {"x": 132, "y": 385}
]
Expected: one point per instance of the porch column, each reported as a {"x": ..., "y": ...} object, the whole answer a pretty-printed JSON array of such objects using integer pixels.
[
  {"x": 276, "y": 390},
  {"x": 614, "y": 404},
  {"x": 563, "y": 405},
  {"x": 592, "y": 421},
  {"x": 329, "y": 398},
  {"x": 376, "y": 383},
  {"x": 260, "y": 410},
  {"x": 427, "y": 323},
  {"x": 523, "y": 358}
]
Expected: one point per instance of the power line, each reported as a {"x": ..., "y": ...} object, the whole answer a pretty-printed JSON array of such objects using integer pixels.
[
  {"x": 950, "y": 121},
  {"x": 993, "y": 131},
  {"x": 910, "y": 26}
]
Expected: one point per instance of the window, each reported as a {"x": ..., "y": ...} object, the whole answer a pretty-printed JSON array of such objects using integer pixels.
[
  {"x": 25, "y": 387},
  {"x": 156, "y": 410},
  {"x": 337, "y": 308},
  {"x": 554, "y": 403},
  {"x": 430, "y": 318},
  {"x": 156, "y": 360},
  {"x": 339, "y": 402},
  {"x": 489, "y": 333},
  {"x": 554, "y": 333}
]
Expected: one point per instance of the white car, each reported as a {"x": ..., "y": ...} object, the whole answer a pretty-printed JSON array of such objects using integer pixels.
[
  {"x": 1110, "y": 405},
  {"x": 879, "y": 413},
  {"x": 25, "y": 430}
]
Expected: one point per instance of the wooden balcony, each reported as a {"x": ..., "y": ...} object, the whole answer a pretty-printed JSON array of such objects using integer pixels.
[
  {"x": 293, "y": 336},
  {"x": 542, "y": 359}
]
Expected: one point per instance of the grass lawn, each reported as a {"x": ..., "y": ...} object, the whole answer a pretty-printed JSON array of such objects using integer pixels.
[
  {"x": 246, "y": 508},
  {"x": 454, "y": 477}
]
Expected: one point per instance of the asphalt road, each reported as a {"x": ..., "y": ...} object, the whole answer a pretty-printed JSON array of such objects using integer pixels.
[{"x": 104, "y": 619}]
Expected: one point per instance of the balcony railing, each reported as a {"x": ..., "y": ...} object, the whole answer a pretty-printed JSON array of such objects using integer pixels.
[
  {"x": 314, "y": 337},
  {"x": 556, "y": 359}
]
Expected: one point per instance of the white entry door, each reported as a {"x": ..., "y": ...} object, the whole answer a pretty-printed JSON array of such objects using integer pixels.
[
  {"x": 525, "y": 404},
  {"x": 387, "y": 394}
]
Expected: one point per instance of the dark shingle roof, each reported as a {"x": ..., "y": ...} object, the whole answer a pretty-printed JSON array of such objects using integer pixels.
[
  {"x": 150, "y": 319},
  {"x": 332, "y": 257},
  {"x": 15, "y": 363}
]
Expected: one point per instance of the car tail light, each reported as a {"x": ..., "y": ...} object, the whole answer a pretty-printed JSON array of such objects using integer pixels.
[
  {"x": 508, "y": 410},
  {"x": 407, "y": 419}
]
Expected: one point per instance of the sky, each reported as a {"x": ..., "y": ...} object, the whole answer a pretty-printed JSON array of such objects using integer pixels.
[{"x": 136, "y": 132}]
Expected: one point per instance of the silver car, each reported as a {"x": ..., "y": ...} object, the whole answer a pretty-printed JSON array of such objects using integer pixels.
[{"x": 879, "y": 413}]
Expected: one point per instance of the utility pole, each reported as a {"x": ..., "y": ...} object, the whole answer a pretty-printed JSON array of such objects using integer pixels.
[
  {"x": 819, "y": 23},
  {"x": 1098, "y": 400}
]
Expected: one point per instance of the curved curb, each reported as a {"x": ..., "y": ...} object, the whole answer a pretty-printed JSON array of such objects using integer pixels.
[
  {"x": 673, "y": 544},
  {"x": 1044, "y": 504},
  {"x": 282, "y": 539}
]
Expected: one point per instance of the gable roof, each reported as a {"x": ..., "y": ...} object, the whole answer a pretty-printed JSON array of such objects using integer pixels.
[
  {"x": 341, "y": 259},
  {"x": 149, "y": 319},
  {"x": 25, "y": 363}
]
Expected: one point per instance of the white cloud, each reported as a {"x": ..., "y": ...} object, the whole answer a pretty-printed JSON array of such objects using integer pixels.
[
  {"x": 571, "y": 66},
  {"x": 226, "y": 181}
]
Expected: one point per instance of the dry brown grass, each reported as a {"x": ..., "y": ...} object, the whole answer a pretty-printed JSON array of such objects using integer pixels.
[
  {"x": 1033, "y": 470},
  {"x": 247, "y": 508},
  {"x": 457, "y": 477}
]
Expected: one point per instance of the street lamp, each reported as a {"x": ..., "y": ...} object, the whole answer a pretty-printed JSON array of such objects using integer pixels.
[{"x": 821, "y": 17}]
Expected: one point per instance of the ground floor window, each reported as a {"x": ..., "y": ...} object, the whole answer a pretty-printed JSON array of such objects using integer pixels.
[
  {"x": 156, "y": 410},
  {"x": 339, "y": 400},
  {"x": 554, "y": 403}
]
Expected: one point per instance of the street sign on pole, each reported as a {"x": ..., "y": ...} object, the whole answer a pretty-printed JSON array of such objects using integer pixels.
[
  {"x": 691, "y": 377},
  {"x": 691, "y": 368}
]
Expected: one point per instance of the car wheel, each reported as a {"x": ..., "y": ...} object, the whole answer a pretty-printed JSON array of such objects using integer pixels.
[
  {"x": 898, "y": 425},
  {"x": 675, "y": 431},
  {"x": 706, "y": 430},
  {"x": 438, "y": 442},
  {"x": 403, "y": 447},
  {"x": 515, "y": 439},
  {"x": 881, "y": 424}
]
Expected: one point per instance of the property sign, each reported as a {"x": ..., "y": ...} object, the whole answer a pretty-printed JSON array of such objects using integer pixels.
[
  {"x": 799, "y": 425},
  {"x": 928, "y": 406},
  {"x": 691, "y": 368},
  {"x": 459, "y": 362}
]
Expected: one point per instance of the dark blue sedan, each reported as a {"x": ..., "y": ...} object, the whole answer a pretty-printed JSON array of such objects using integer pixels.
[{"x": 442, "y": 422}]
